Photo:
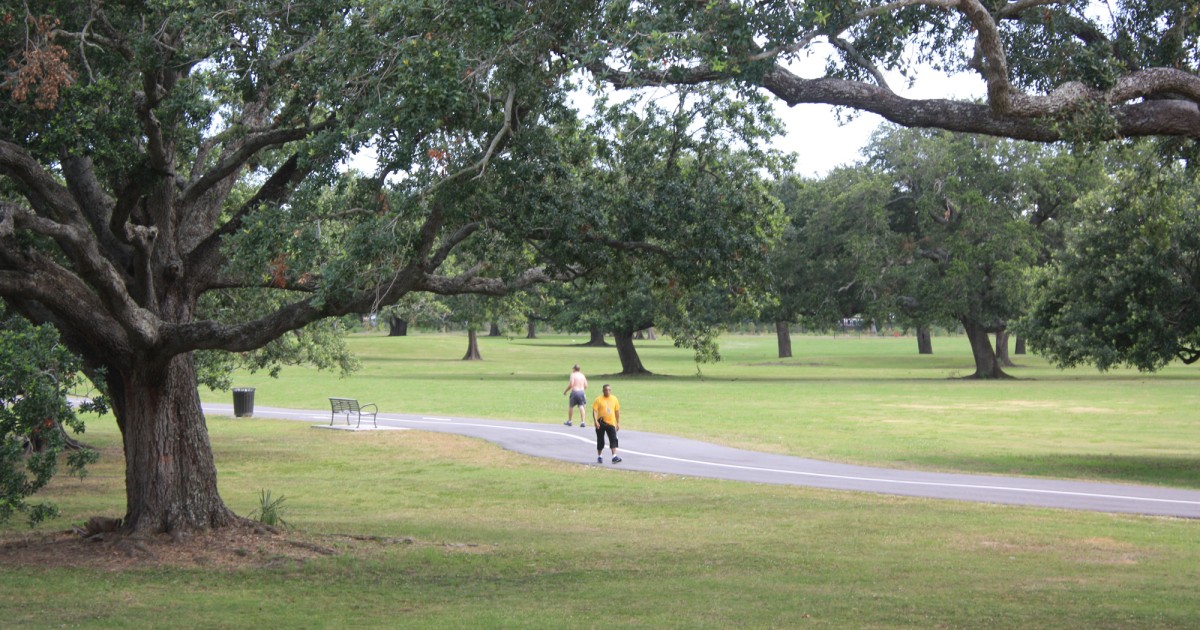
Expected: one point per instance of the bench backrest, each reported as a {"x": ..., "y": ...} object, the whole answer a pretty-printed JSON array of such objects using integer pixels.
[{"x": 344, "y": 404}]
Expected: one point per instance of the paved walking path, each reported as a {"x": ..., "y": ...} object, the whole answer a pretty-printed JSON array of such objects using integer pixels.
[{"x": 653, "y": 452}]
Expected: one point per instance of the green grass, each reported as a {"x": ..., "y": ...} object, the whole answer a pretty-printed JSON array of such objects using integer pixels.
[
  {"x": 504, "y": 540},
  {"x": 855, "y": 399}
]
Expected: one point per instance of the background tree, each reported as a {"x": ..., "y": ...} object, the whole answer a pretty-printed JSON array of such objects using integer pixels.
[
  {"x": 663, "y": 175},
  {"x": 568, "y": 311},
  {"x": 1127, "y": 290},
  {"x": 476, "y": 311},
  {"x": 961, "y": 209},
  {"x": 418, "y": 308},
  {"x": 834, "y": 246}
]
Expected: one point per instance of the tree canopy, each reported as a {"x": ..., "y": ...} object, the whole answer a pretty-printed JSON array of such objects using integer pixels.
[{"x": 1126, "y": 290}]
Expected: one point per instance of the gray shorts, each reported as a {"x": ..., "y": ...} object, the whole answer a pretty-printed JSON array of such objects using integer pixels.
[{"x": 577, "y": 398}]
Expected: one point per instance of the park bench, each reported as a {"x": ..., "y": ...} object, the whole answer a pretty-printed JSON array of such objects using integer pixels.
[{"x": 351, "y": 406}]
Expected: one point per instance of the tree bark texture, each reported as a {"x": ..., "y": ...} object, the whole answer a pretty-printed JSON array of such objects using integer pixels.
[
  {"x": 631, "y": 364},
  {"x": 784, "y": 336},
  {"x": 986, "y": 365},
  {"x": 170, "y": 476},
  {"x": 597, "y": 338},
  {"x": 1019, "y": 345},
  {"x": 472, "y": 346},
  {"x": 1002, "y": 349},
  {"x": 531, "y": 329},
  {"x": 924, "y": 341},
  {"x": 397, "y": 327},
  {"x": 494, "y": 330}
]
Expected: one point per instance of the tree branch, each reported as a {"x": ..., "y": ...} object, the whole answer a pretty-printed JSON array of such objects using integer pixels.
[
  {"x": 43, "y": 189},
  {"x": 480, "y": 165},
  {"x": 858, "y": 58},
  {"x": 201, "y": 263},
  {"x": 254, "y": 143},
  {"x": 470, "y": 283}
]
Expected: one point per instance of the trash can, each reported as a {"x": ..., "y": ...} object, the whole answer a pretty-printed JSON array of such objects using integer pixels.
[{"x": 243, "y": 402}]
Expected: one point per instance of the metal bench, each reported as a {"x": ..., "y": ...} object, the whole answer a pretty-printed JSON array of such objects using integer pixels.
[{"x": 351, "y": 406}]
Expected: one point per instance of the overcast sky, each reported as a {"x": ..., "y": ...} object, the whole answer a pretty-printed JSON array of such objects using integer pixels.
[{"x": 821, "y": 143}]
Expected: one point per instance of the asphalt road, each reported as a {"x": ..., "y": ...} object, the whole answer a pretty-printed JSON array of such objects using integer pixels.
[{"x": 653, "y": 452}]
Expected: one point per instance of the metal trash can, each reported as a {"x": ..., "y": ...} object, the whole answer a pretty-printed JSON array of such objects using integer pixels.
[{"x": 243, "y": 402}]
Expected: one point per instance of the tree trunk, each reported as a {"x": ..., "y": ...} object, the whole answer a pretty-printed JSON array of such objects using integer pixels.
[
  {"x": 785, "y": 339},
  {"x": 597, "y": 338},
  {"x": 924, "y": 341},
  {"x": 531, "y": 329},
  {"x": 638, "y": 336},
  {"x": 1002, "y": 349},
  {"x": 494, "y": 330},
  {"x": 170, "y": 476},
  {"x": 986, "y": 365},
  {"x": 631, "y": 364},
  {"x": 1019, "y": 345},
  {"x": 650, "y": 336},
  {"x": 397, "y": 327},
  {"x": 472, "y": 346}
]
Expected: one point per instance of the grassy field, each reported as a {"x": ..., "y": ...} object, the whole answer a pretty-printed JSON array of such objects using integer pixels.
[
  {"x": 855, "y": 399},
  {"x": 497, "y": 539}
]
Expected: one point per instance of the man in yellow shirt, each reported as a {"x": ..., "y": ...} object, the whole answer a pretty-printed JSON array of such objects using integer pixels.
[{"x": 606, "y": 414}]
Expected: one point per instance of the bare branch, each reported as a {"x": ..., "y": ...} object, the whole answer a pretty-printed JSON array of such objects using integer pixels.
[
  {"x": 43, "y": 188},
  {"x": 481, "y": 165},
  {"x": 858, "y": 58},
  {"x": 254, "y": 143},
  {"x": 145, "y": 102},
  {"x": 505, "y": 130},
  {"x": 1143, "y": 118},
  {"x": 991, "y": 49},
  {"x": 1014, "y": 9},
  {"x": 450, "y": 243},
  {"x": 277, "y": 188}
]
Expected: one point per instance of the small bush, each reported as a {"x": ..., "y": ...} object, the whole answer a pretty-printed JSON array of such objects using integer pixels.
[{"x": 270, "y": 511}]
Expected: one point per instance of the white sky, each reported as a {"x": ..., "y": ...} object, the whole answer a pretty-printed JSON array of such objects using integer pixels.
[{"x": 821, "y": 143}]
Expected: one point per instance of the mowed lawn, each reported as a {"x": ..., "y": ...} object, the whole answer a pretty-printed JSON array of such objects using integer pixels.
[
  {"x": 860, "y": 399},
  {"x": 495, "y": 539}
]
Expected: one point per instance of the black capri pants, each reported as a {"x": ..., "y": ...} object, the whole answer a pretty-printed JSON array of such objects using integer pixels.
[{"x": 603, "y": 428}]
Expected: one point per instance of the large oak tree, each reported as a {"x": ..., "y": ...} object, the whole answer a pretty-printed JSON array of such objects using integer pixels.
[{"x": 169, "y": 183}]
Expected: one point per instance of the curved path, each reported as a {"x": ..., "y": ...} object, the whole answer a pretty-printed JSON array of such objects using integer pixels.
[{"x": 653, "y": 452}]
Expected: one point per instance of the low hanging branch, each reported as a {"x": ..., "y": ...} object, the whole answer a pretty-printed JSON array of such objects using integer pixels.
[{"x": 1163, "y": 101}]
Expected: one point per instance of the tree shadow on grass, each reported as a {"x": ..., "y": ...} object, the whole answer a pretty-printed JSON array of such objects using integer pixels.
[{"x": 1171, "y": 471}]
